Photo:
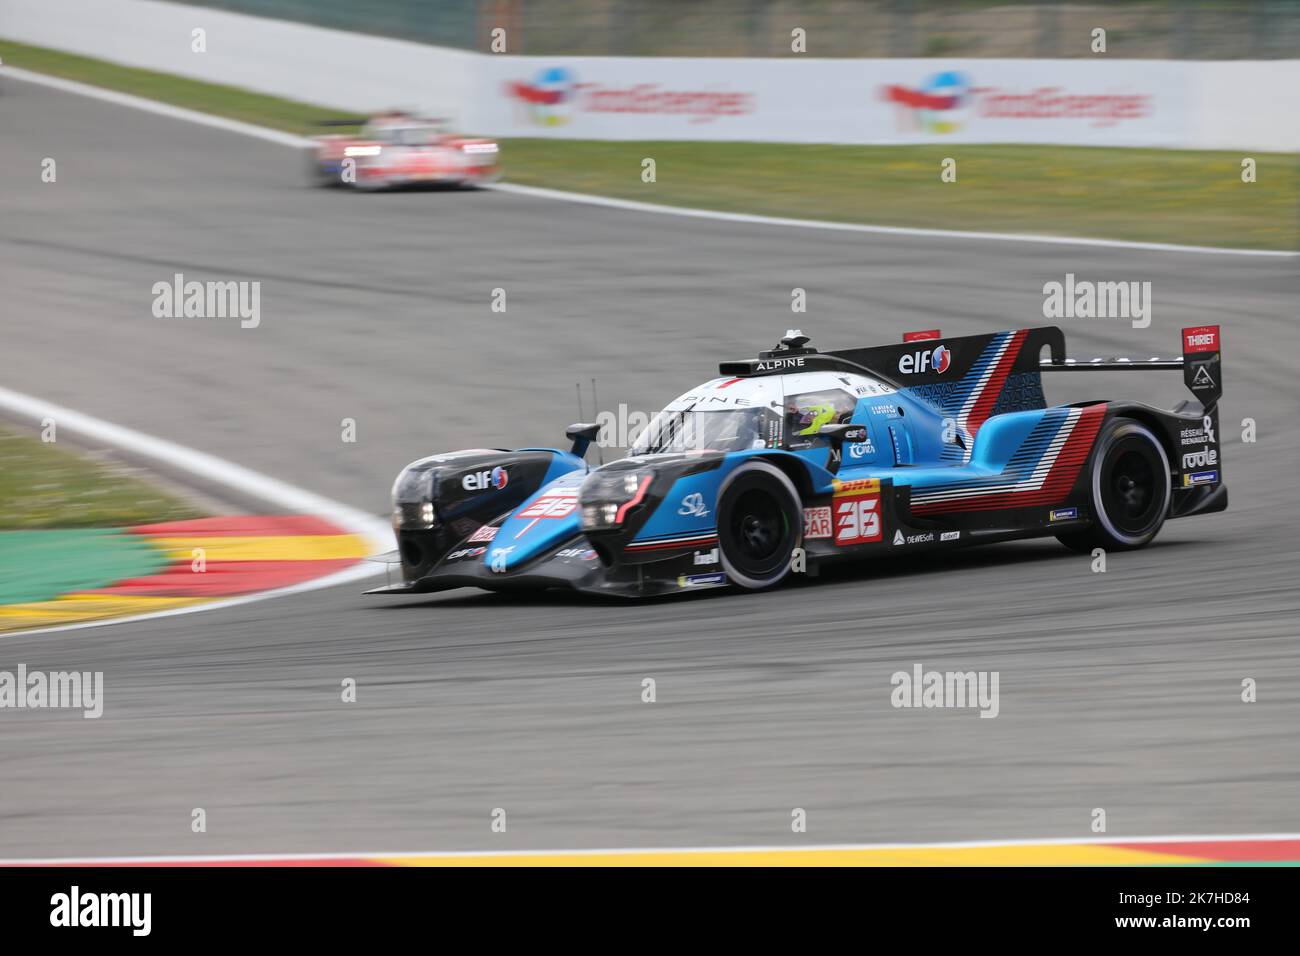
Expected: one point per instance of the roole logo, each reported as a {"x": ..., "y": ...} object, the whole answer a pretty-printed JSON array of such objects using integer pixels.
[
  {"x": 497, "y": 478},
  {"x": 926, "y": 360}
]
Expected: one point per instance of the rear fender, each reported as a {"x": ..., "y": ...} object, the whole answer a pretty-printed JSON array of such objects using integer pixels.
[{"x": 1191, "y": 440}]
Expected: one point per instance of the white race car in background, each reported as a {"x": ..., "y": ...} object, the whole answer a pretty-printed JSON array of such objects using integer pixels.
[{"x": 397, "y": 149}]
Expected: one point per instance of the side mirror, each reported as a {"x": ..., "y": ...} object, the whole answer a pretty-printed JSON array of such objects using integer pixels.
[
  {"x": 839, "y": 435},
  {"x": 582, "y": 434},
  {"x": 844, "y": 434}
]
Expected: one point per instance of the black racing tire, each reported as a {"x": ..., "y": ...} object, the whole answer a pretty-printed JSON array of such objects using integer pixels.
[
  {"x": 1130, "y": 490},
  {"x": 760, "y": 523}
]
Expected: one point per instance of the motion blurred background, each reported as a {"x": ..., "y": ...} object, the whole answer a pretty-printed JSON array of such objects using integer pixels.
[{"x": 1137, "y": 29}]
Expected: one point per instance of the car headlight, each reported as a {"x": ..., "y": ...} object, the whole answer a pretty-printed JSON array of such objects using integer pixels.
[
  {"x": 413, "y": 507},
  {"x": 607, "y": 497}
]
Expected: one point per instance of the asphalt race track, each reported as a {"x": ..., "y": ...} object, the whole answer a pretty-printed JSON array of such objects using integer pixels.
[{"x": 1118, "y": 690}]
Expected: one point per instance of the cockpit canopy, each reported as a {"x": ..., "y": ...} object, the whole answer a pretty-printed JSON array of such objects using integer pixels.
[
  {"x": 404, "y": 132},
  {"x": 771, "y": 411}
]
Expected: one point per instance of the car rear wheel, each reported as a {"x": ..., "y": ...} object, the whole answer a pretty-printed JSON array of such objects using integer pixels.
[
  {"x": 1130, "y": 490},
  {"x": 759, "y": 525}
]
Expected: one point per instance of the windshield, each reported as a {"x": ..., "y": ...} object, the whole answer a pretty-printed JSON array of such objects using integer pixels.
[
  {"x": 407, "y": 135},
  {"x": 732, "y": 429}
]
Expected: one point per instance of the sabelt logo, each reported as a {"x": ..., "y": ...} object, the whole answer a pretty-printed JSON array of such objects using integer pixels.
[
  {"x": 496, "y": 479},
  {"x": 1203, "y": 338},
  {"x": 934, "y": 360}
]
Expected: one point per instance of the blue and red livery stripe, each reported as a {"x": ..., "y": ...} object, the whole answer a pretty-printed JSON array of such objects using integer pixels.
[{"x": 1041, "y": 472}]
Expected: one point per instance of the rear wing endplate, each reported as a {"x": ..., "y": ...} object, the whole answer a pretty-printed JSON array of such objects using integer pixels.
[{"x": 1201, "y": 364}]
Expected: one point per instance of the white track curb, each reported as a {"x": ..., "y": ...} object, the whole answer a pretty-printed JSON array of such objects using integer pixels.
[
  {"x": 692, "y": 850},
  {"x": 278, "y": 494}
]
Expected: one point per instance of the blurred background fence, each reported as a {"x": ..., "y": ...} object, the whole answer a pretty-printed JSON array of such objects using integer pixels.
[{"x": 1145, "y": 29}]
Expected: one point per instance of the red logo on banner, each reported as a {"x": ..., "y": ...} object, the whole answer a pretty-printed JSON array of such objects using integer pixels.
[
  {"x": 921, "y": 336},
  {"x": 1203, "y": 338}
]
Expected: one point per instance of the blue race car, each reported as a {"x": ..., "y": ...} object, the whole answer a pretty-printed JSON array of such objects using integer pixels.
[{"x": 799, "y": 457}]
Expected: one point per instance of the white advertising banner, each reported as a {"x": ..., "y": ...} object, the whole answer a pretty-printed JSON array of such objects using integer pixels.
[
  {"x": 1115, "y": 103},
  {"x": 792, "y": 99}
]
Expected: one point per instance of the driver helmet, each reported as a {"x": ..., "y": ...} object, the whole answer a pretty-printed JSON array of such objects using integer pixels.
[{"x": 809, "y": 419}]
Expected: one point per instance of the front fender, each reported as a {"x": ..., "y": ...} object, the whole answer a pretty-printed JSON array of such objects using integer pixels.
[
  {"x": 683, "y": 516},
  {"x": 442, "y": 500}
]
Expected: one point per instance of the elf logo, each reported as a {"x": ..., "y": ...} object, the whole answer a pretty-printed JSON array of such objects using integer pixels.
[
  {"x": 934, "y": 360},
  {"x": 466, "y": 553},
  {"x": 497, "y": 479}
]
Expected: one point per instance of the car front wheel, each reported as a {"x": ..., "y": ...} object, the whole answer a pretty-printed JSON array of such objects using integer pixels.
[{"x": 760, "y": 523}]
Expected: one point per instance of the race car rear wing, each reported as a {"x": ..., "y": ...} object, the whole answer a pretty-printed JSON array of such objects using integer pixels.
[
  {"x": 1200, "y": 363},
  {"x": 1001, "y": 368}
]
